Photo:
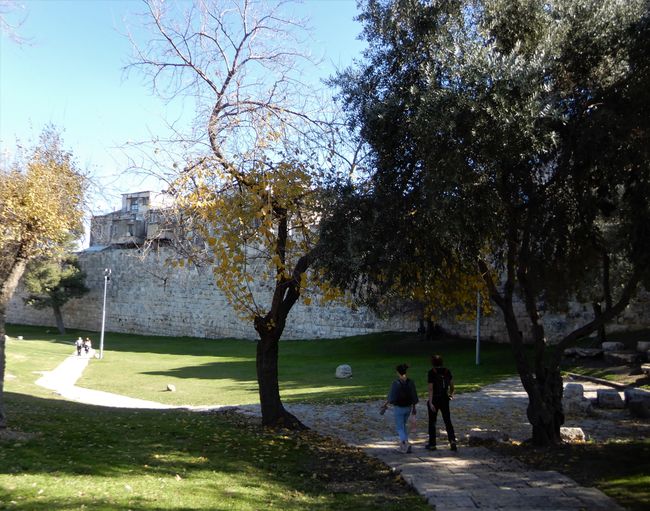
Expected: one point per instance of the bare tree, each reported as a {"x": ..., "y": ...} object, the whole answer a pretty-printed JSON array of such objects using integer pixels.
[
  {"x": 246, "y": 166},
  {"x": 12, "y": 17}
]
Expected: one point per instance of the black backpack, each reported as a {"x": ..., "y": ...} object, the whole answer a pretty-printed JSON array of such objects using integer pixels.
[
  {"x": 441, "y": 381},
  {"x": 403, "y": 394}
]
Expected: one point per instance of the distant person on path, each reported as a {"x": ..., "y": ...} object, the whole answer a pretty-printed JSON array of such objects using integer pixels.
[
  {"x": 441, "y": 391},
  {"x": 403, "y": 397},
  {"x": 79, "y": 344},
  {"x": 87, "y": 345}
]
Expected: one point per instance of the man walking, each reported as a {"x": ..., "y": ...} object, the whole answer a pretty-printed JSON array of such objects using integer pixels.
[{"x": 441, "y": 391}]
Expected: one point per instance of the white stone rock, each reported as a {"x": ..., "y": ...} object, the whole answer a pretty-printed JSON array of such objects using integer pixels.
[
  {"x": 609, "y": 398},
  {"x": 613, "y": 346},
  {"x": 344, "y": 371},
  {"x": 572, "y": 435},
  {"x": 646, "y": 368},
  {"x": 171, "y": 387}
]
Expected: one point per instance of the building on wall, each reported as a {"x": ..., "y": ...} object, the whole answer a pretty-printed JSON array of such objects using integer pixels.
[{"x": 141, "y": 218}]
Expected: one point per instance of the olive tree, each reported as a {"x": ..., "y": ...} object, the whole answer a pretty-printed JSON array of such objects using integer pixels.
[{"x": 510, "y": 136}]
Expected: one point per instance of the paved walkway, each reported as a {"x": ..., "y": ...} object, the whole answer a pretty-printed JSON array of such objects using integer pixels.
[{"x": 473, "y": 478}]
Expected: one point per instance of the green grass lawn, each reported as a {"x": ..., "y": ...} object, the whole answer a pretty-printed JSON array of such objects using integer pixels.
[
  {"x": 208, "y": 372},
  {"x": 64, "y": 456}
]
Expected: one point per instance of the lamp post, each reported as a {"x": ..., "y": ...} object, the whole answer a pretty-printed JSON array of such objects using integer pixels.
[{"x": 107, "y": 276}]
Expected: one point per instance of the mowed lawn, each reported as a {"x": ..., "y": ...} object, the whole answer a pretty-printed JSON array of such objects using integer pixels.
[
  {"x": 211, "y": 372},
  {"x": 58, "y": 455}
]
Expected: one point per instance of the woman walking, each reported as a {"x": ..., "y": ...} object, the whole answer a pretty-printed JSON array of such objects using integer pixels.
[{"x": 403, "y": 397}]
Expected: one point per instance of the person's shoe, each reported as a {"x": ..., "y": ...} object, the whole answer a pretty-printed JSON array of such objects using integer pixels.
[
  {"x": 408, "y": 448},
  {"x": 430, "y": 447},
  {"x": 454, "y": 447},
  {"x": 403, "y": 447}
]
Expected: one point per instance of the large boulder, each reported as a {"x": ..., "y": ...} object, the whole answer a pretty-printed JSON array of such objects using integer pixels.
[
  {"x": 613, "y": 346},
  {"x": 343, "y": 371},
  {"x": 572, "y": 435}
]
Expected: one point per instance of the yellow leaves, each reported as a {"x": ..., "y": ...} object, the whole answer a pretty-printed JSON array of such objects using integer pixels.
[{"x": 41, "y": 197}]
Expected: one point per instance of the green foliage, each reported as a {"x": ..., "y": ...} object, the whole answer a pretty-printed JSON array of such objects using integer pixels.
[
  {"x": 513, "y": 132},
  {"x": 511, "y": 136},
  {"x": 53, "y": 282}
]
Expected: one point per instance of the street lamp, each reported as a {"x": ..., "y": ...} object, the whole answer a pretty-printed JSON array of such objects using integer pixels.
[{"x": 107, "y": 276}]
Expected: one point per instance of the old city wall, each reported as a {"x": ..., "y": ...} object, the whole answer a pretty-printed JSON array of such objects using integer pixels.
[{"x": 148, "y": 297}]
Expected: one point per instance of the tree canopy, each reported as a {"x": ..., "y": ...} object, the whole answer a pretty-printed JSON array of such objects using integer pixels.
[
  {"x": 510, "y": 137},
  {"x": 41, "y": 205},
  {"x": 52, "y": 282}
]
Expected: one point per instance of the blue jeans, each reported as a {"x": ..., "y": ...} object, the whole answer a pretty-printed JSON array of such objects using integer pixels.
[{"x": 401, "y": 418}]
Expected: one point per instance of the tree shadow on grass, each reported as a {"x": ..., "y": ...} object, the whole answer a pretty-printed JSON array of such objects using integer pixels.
[{"x": 102, "y": 458}]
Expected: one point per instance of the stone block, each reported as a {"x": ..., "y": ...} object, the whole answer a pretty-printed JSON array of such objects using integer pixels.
[
  {"x": 481, "y": 436},
  {"x": 343, "y": 371},
  {"x": 572, "y": 435},
  {"x": 646, "y": 368},
  {"x": 622, "y": 357},
  {"x": 574, "y": 391},
  {"x": 613, "y": 346},
  {"x": 583, "y": 352},
  {"x": 638, "y": 402},
  {"x": 577, "y": 407},
  {"x": 643, "y": 346},
  {"x": 609, "y": 398},
  {"x": 640, "y": 408}
]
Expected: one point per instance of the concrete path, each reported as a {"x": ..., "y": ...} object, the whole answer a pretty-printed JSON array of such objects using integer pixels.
[
  {"x": 63, "y": 378},
  {"x": 473, "y": 478}
]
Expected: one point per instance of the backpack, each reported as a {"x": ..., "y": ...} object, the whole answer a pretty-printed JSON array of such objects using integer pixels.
[
  {"x": 403, "y": 394},
  {"x": 441, "y": 381}
]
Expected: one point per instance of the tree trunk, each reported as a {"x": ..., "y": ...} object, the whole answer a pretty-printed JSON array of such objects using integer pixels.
[
  {"x": 58, "y": 316},
  {"x": 273, "y": 412},
  {"x": 3, "y": 417},
  {"x": 545, "y": 412},
  {"x": 598, "y": 312},
  {"x": 7, "y": 289}
]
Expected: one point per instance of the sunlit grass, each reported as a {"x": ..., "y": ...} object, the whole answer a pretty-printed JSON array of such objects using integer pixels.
[
  {"x": 63, "y": 456},
  {"x": 222, "y": 372}
]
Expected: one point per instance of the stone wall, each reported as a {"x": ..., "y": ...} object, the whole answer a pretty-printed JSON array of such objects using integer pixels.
[{"x": 148, "y": 297}]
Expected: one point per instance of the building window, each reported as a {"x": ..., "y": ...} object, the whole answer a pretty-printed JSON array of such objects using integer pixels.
[{"x": 134, "y": 205}]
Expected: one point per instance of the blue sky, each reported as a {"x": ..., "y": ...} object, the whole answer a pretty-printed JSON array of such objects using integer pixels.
[{"x": 70, "y": 74}]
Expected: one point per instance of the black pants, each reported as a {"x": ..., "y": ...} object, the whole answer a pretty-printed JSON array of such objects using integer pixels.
[{"x": 443, "y": 406}]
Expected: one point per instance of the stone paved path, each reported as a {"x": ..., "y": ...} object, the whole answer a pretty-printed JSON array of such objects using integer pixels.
[{"x": 473, "y": 478}]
